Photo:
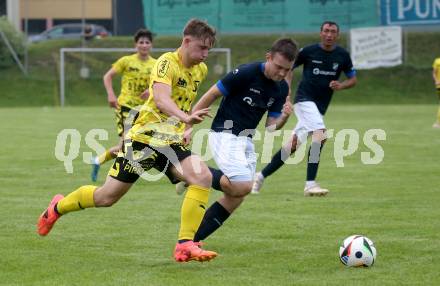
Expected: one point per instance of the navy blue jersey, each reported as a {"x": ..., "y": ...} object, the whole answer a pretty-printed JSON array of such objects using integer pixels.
[
  {"x": 247, "y": 95},
  {"x": 320, "y": 68}
]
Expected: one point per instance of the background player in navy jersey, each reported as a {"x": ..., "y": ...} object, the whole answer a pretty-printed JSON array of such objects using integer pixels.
[
  {"x": 247, "y": 93},
  {"x": 323, "y": 64}
]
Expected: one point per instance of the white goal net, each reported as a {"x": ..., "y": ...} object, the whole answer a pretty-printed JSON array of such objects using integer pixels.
[{"x": 81, "y": 71}]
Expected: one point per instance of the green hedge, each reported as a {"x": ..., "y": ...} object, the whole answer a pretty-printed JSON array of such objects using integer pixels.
[
  {"x": 16, "y": 40},
  {"x": 410, "y": 83}
]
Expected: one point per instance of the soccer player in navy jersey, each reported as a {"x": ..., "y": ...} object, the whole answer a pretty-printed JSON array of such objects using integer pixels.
[
  {"x": 247, "y": 94},
  {"x": 323, "y": 64}
]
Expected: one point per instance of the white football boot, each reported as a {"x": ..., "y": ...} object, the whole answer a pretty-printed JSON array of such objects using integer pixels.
[{"x": 314, "y": 190}]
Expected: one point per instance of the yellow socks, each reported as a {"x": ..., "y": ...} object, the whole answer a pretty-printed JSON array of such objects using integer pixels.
[
  {"x": 193, "y": 210},
  {"x": 106, "y": 156},
  {"x": 79, "y": 199}
]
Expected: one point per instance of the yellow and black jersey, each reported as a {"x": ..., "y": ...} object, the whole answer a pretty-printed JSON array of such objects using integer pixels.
[
  {"x": 436, "y": 67},
  {"x": 135, "y": 78},
  {"x": 155, "y": 128}
]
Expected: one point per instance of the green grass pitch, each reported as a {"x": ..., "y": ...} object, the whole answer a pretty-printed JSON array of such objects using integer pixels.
[{"x": 276, "y": 238}]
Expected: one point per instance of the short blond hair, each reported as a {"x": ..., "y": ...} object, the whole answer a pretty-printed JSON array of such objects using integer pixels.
[{"x": 201, "y": 30}]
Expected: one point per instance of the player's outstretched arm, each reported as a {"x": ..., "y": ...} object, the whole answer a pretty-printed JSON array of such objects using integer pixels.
[
  {"x": 162, "y": 98},
  {"x": 207, "y": 99},
  {"x": 204, "y": 102},
  {"x": 275, "y": 123},
  {"x": 107, "y": 80},
  {"x": 348, "y": 83}
]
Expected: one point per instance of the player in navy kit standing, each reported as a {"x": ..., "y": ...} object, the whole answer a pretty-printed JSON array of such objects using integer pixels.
[
  {"x": 323, "y": 64},
  {"x": 247, "y": 94}
]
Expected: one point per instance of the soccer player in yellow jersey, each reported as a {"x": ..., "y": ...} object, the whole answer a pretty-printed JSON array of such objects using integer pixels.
[
  {"x": 135, "y": 71},
  {"x": 436, "y": 77},
  {"x": 156, "y": 141}
]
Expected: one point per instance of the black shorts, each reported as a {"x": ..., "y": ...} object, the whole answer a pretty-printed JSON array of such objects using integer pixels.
[
  {"x": 137, "y": 158},
  {"x": 125, "y": 118}
]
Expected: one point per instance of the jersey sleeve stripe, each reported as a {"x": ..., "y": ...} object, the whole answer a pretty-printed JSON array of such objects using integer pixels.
[
  {"x": 222, "y": 88},
  {"x": 274, "y": 114},
  {"x": 351, "y": 73}
]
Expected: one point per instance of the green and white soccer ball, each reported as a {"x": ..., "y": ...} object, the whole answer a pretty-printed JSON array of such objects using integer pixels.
[{"x": 357, "y": 250}]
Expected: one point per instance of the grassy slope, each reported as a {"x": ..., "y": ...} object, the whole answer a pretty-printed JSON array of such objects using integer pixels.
[
  {"x": 410, "y": 83},
  {"x": 276, "y": 238}
]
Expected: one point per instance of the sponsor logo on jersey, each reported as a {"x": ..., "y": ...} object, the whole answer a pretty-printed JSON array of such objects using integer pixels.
[
  {"x": 162, "y": 67},
  {"x": 255, "y": 90},
  {"x": 270, "y": 102},
  {"x": 181, "y": 82},
  {"x": 317, "y": 71},
  {"x": 248, "y": 100},
  {"x": 132, "y": 69},
  {"x": 335, "y": 66}
]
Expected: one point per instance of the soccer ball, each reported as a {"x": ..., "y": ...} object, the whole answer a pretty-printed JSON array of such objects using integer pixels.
[{"x": 357, "y": 250}]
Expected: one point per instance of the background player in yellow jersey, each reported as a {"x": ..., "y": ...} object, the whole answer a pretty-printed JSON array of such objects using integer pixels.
[
  {"x": 155, "y": 141},
  {"x": 135, "y": 71},
  {"x": 436, "y": 78}
]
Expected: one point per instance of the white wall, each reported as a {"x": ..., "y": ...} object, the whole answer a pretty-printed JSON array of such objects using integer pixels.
[{"x": 13, "y": 12}]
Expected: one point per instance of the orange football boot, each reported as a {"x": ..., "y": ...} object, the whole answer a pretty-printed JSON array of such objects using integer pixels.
[
  {"x": 48, "y": 218},
  {"x": 191, "y": 250}
]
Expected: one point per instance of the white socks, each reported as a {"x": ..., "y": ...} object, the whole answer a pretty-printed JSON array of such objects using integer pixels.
[{"x": 310, "y": 184}]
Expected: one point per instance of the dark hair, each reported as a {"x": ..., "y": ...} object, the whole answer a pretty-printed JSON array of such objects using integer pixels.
[
  {"x": 201, "y": 30},
  {"x": 286, "y": 47},
  {"x": 331, "y": 23},
  {"x": 143, "y": 33}
]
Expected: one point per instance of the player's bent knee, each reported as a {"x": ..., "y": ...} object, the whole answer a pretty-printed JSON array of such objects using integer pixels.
[
  {"x": 110, "y": 192},
  {"x": 203, "y": 178},
  {"x": 319, "y": 136},
  {"x": 240, "y": 189},
  {"x": 244, "y": 192}
]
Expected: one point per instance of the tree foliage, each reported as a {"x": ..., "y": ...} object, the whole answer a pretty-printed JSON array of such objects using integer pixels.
[{"x": 15, "y": 38}]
